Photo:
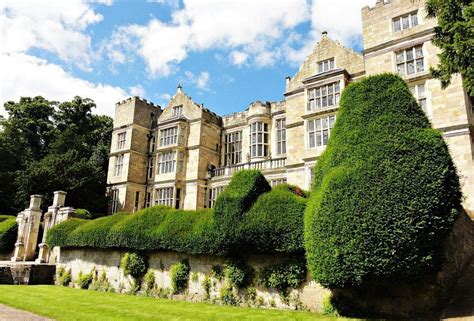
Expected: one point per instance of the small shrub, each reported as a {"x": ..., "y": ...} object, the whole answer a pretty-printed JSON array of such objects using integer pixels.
[
  {"x": 8, "y": 233},
  {"x": 82, "y": 214},
  {"x": 251, "y": 295},
  {"x": 101, "y": 284},
  {"x": 217, "y": 272},
  {"x": 194, "y": 277},
  {"x": 284, "y": 275},
  {"x": 179, "y": 276},
  {"x": 84, "y": 280},
  {"x": 238, "y": 274},
  {"x": 134, "y": 264},
  {"x": 272, "y": 303},
  {"x": 328, "y": 307},
  {"x": 227, "y": 296},
  {"x": 149, "y": 280},
  {"x": 206, "y": 284},
  {"x": 63, "y": 276}
]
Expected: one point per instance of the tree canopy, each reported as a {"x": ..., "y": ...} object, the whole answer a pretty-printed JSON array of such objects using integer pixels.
[
  {"x": 47, "y": 146},
  {"x": 454, "y": 35}
]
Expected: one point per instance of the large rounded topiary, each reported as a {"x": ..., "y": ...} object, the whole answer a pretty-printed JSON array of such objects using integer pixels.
[{"x": 385, "y": 191}]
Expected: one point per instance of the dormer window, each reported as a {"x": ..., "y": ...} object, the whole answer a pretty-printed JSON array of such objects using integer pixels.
[
  {"x": 405, "y": 22},
  {"x": 178, "y": 110},
  {"x": 326, "y": 65}
]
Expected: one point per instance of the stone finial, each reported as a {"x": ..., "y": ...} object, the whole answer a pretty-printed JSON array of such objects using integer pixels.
[
  {"x": 324, "y": 33},
  {"x": 59, "y": 198},
  {"x": 180, "y": 88},
  {"x": 35, "y": 202}
]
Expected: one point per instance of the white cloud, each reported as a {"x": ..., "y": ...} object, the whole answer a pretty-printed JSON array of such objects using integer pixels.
[
  {"x": 137, "y": 90},
  {"x": 25, "y": 75},
  {"x": 201, "y": 81},
  {"x": 246, "y": 26},
  {"x": 171, "y": 3},
  {"x": 57, "y": 26},
  {"x": 340, "y": 18},
  {"x": 238, "y": 57},
  {"x": 165, "y": 96}
]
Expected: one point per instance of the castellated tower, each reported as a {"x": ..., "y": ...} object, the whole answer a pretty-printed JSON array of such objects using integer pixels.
[{"x": 134, "y": 121}]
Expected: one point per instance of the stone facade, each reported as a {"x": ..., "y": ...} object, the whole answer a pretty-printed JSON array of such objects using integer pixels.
[{"x": 184, "y": 155}]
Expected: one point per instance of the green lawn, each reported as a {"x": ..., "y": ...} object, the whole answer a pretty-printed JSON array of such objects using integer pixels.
[{"x": 73, "y": 304}]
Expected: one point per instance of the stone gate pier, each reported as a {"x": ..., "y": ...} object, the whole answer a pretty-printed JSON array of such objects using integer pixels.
[{"x": 24, "y": 267}]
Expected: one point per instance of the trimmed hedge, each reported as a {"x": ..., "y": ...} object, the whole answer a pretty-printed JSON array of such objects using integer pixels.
[
  {"x": 236, "y": 199},
  {"x": 154, "y": 228},
  {"x": 275, "y": 223},
  {"x": 241, "y": 222},
  {"x": 8, "y": 233},
  {"x": 385, "y": 191}
]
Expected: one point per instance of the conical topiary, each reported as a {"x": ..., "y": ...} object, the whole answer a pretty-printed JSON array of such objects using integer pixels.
[{"x": 385, "y": 191}]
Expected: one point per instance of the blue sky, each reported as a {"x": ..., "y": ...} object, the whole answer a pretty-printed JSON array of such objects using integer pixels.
[{"x": 225, "y": 53}]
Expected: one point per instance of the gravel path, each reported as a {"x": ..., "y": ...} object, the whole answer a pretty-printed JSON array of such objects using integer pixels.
[{"x": 10, "y": 314}]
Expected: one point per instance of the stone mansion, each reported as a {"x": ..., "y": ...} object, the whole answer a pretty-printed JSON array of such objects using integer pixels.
[{"x": 183, "y": 155}]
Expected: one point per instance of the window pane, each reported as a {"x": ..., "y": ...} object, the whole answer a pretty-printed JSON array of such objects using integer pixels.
[
  {"x": 396, "y": 25},
  {"x": 325, "y": 137},
  {"x": 420, "y": 65},
  {"x": 414, "y": 20},
  {"x": 318, "y": 138},
  {"x": 419, "y": 52},
  {"x": 325, "y": 101},
  {"x": 405, "y": 23},
  {"x": 421, "y": 90},
  {"x": 410, "y": 68},
  {"x": 409, "y": 54},
  {"x": 400, "y": 57},
  {"x": 311, "y": 140}
]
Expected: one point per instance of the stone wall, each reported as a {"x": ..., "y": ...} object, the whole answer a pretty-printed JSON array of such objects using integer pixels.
[{"x": 310, "y": 295}]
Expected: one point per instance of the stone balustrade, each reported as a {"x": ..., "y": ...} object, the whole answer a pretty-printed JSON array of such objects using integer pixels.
[{"x": 263, "y": 165}]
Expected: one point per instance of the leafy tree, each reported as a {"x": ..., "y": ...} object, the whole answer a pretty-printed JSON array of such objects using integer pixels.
[
  {"x": 385, "y": 191},
  {"x": 48, "y": 146},
  {"x": 454, "y": 35}
]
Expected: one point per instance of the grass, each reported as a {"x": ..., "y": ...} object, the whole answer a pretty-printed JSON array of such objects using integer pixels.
[{"x": 62, "y": 303}]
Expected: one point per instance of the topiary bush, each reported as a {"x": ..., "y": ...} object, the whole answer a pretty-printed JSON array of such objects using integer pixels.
[
  {"x": 134, "y": 264},
  {"x": 8, "y": 233},
  {"x": 275, "y": 223},
  {"x": 236, "y": 199},
  {"x": 180, "y": 276},
  {"x": 385, "y": 191}
]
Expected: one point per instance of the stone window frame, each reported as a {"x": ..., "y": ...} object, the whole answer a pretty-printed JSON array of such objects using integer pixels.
[
  {"x": 419, "y": 90},
  {"x": 118, "y": 164},
  {"x": 169, "y": 136},
  {"x": 121, "y": 140},
  {"x": 405, "y": 21},
  {"x": 166, "y": 162},
  {"x": 326, "y": 65},
  {"x": 233, "y": 148},
  {"x": 412, "y": 57},
  {"x": 148, "y": 199},
  {"x": 280, "y": 126},
  {"x": 114, "y": 200},
  {"x": 259, "y": 143},
  {"x": 180, "y": 162},
  {"x": 164, "y": 196},
  {"x": 319, "y": 130},
  {"x": 177, "y": 110},
  {"x": 150, "y": 168},
  {"x": 325, "y": 96},
  {"x": 277, "y": 181},
  {"x": 152, "y": 144},
  {"x": 213, "y": 193}
]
